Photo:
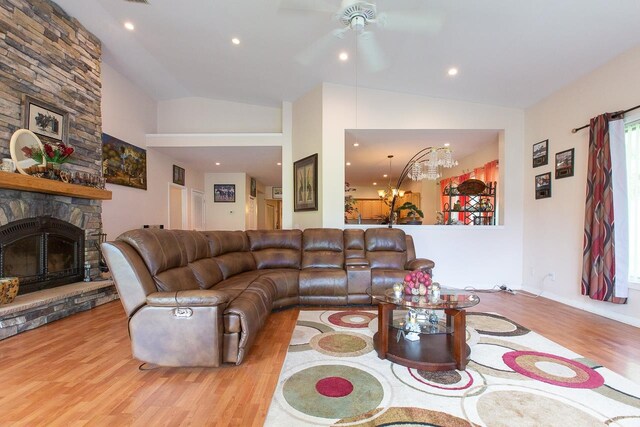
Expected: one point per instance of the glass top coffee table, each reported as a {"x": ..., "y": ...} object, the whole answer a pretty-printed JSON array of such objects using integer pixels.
[{"x": 411, "y": 334}]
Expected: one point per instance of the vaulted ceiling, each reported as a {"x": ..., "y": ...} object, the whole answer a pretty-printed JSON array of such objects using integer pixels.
[{"x": 510, "y": 53}]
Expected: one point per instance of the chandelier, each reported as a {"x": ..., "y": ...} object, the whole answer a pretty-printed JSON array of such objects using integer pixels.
[
  {"x": 426, "y": 163},
  {"x": 389, "y": 193}
]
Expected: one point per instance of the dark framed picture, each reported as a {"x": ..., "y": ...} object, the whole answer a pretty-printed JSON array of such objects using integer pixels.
[
  {"x": 178, "y": 175},
  {"x": 254, "y": 188},
  {"x": 541, "y": 153},
  {"x": 276, "y": 192},
  {"x": 305, "y": 183},
  {"x": 224, "y": 193},
  {"x": 123, "y": 163},
  {"x": 45, "y": 119},
  {"x": 543, "y": 185},
  {"x": 564, "y": 163}
]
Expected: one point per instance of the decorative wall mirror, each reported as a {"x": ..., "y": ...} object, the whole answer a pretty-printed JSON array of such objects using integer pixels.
[{"x": 24, "y": 138}]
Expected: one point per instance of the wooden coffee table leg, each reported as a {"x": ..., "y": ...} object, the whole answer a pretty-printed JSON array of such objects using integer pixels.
[
  {"x": 384, "y": 311},
  {"x": 459, "y": 337}
]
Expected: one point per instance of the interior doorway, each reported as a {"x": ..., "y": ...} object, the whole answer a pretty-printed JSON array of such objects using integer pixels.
[
  {"x": 273, "y": 214},
  {"x": 198, "y": 210},
  {"x": 177, "y": 207}
]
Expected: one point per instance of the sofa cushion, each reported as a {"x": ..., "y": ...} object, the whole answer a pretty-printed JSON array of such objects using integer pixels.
[
  {"x": 230, "y": 250},
  {"x": 322, "y": 248},
  {"x": 204, "y": 268},
  {"x": 195, "y": 244},
  {"x": 160, "y": 249},
  {"x": 222, "y": 242},
  {"x": 322, "y": 282},
  {"x": 382, "y": 279},
  {"x": 385, "y": 239},
  {"x": 165, "y": 256},
  {"x": 275, "y": 248},
  {"x": 386, "y": 248},
  {"x": 353, "y": 243}
]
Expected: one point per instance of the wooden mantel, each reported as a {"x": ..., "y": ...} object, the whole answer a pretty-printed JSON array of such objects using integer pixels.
[{"x": 16, "y": 181}]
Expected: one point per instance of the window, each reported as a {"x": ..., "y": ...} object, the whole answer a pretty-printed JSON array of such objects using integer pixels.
[{"x": 632, "y": 146}]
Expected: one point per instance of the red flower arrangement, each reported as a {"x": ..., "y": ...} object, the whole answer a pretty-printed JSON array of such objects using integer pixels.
[{"x": 52, "y": 152}]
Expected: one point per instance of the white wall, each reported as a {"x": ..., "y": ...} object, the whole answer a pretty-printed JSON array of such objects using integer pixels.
[
  {"x": 203, "y": 115},
  {"x": 307, "y": 140},
  {"x": 553, "y": 232},
  {"x": 464, "y": 256},
  {"x": 129, "y": 114},
  {"x": 225, "y": 215}
]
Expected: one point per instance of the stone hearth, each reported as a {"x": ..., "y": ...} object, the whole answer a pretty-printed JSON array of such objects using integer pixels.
[{"x": 39, "y": 308}]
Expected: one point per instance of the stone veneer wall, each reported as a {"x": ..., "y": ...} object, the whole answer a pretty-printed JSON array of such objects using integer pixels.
[{"x": 46, "y": 54}]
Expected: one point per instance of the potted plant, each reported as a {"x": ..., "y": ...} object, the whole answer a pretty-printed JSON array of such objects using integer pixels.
[
  {"x": 349, "y": 202},
  {"x": 413, "y": 214}
]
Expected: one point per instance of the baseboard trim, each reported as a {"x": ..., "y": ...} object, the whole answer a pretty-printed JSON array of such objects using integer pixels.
[{"x": 585, "y": 307}]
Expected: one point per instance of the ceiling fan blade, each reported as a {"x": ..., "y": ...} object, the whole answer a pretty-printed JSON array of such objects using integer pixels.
[
  {"x": 308, "y": 6},
  {"x": 369, "y": 49},
  {"x": 414, "y": 23},
  {"x": 318, "y": 48}
]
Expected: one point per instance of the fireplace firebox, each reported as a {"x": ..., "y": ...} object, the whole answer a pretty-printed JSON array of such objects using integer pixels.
[{"x": 44, "y": 252}]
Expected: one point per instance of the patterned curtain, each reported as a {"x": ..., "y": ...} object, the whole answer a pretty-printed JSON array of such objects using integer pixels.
[{"x": 598, "y": 266}]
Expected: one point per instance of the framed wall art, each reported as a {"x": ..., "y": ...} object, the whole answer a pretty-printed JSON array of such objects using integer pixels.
[
  {"x": 541, "y": 153},
  {"x": 123, "y": 163},
  {"x": 45, "y": 119},
  {"x": 543, "y": 185},
  {"x": 178, "y": 175},
  {"x": 305, "y": 184},
  {"x": 224, "y": 193},
  {"x": 564, "y": 163},
  {"x": 276, "y": 192}
]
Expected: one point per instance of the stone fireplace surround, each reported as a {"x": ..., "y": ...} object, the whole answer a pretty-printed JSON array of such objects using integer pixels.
[
  {"x": 38, "y": 308},
  {"x": 50, "y": 56}
]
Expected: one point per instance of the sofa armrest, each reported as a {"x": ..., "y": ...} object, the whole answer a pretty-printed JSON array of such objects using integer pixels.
[
  {"x": 195, "y": 298},
  {"x": 420, "y": 264},
  {"x": 358, "y": 262}
]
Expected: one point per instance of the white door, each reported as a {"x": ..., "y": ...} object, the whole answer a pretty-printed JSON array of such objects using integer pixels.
[
  {"x": 198, "y": 213},
  {"x": 177, "y": 207},
  {"x": 253, "y": 214}
]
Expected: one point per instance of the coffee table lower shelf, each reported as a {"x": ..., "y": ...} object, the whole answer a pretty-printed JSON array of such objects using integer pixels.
[{"x": 429, "y": 353}]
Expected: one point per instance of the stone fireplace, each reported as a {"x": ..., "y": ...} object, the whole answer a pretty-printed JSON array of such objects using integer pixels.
[{"x": 48, "y": 55}]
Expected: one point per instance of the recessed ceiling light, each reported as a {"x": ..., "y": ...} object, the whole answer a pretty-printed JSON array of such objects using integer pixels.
[
  {"x": 375, "y": 183},
  {"x": 217, "y": 163},
  {"x": 279, "y": 164},
  {"x": 453, "y": 71},
  {"x": 343, "y": 56},
  {"x": 446, "y": 144},
  {"x": 355, "y": 144},
  {"x": 129, "y": 26},
  {"x": 385, "y": 175},
  {"x": 235, "y": 41},
  {"x": 348, "y": 163}
]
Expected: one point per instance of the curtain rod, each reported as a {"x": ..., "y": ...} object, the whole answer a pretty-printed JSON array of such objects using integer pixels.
[{"x": 574, "y": 130}]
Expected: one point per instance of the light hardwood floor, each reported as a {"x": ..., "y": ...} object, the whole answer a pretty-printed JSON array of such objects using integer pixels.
[{"x": 79, "y": 370}]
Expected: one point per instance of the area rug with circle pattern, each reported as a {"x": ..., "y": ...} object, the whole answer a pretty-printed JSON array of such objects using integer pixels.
[{"x": 515, "y": 377}]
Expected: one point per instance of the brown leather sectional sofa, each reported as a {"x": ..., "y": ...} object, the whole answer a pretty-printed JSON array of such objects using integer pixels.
[{"x": 200, "y": 298}]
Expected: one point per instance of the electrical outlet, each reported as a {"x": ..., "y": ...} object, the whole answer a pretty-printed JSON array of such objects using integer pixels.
[{"x": 533, "y": 272}]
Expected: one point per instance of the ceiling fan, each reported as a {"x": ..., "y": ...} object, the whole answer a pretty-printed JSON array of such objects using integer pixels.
[{"x": 360, "y": 17}]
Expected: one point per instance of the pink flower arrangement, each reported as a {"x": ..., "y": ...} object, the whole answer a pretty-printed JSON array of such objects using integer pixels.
[{"x": 52, "y": 152}]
